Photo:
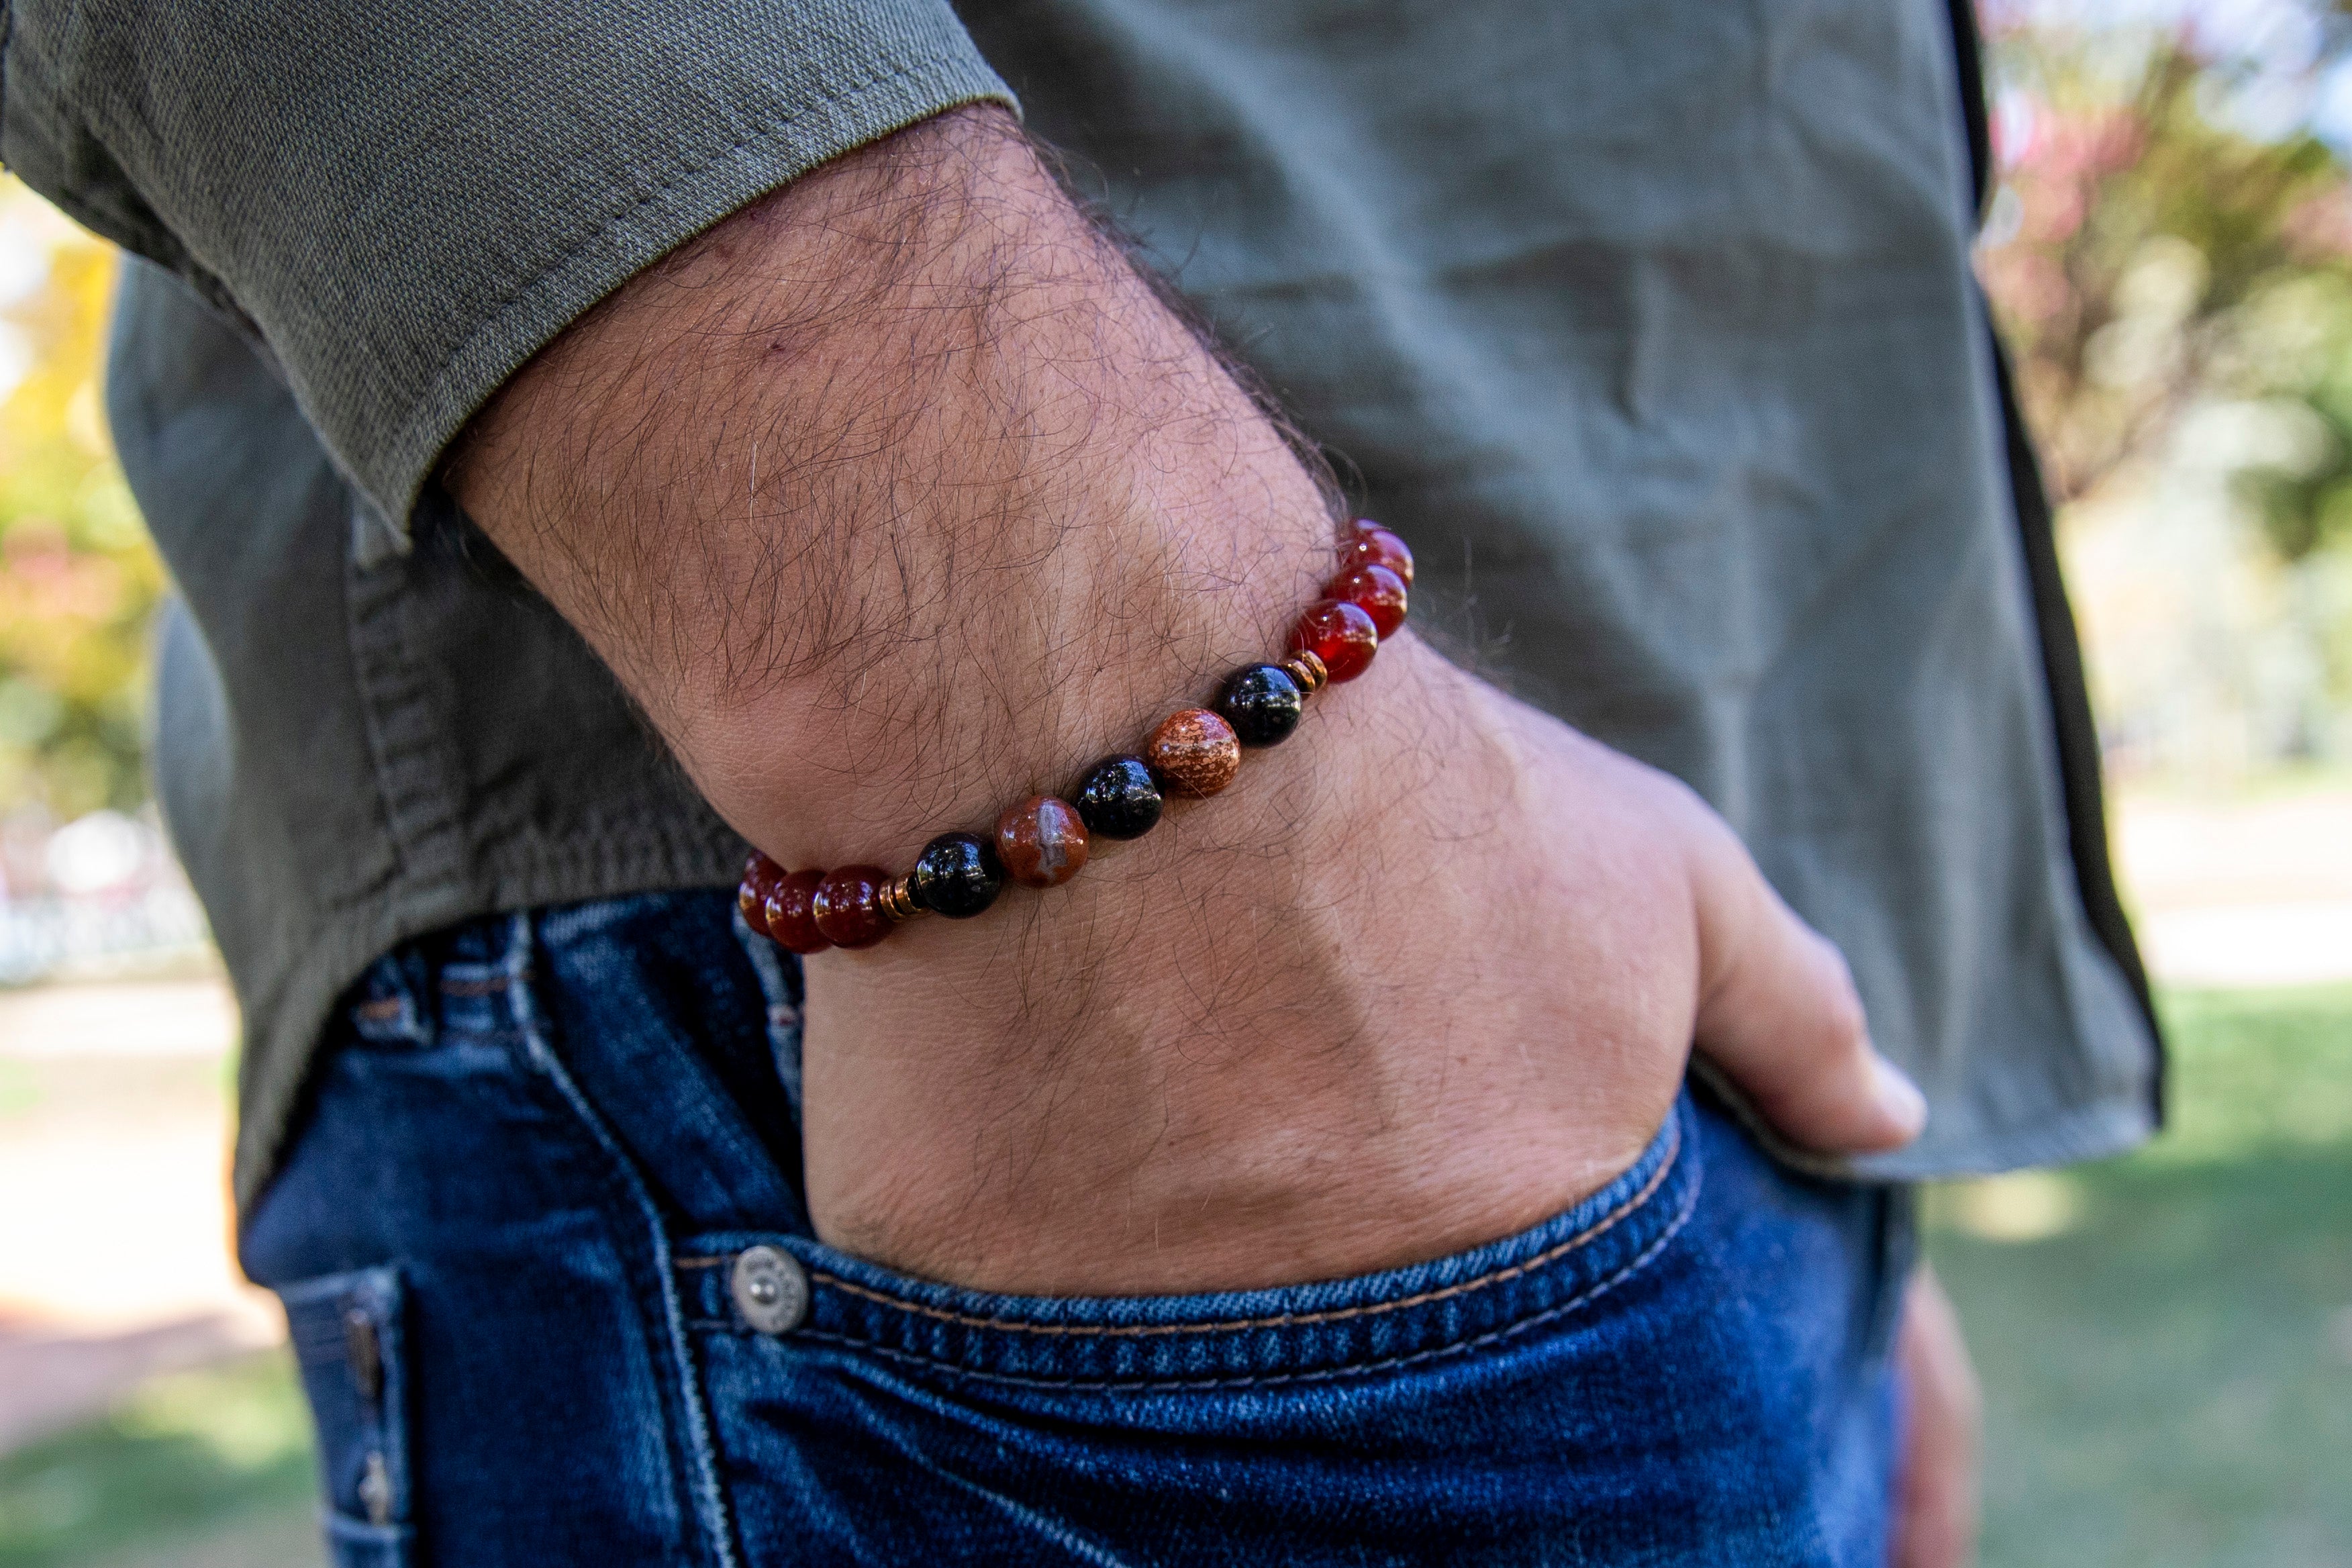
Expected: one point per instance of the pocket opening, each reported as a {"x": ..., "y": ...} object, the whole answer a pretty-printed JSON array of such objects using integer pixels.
[{"x": 1367, "y": 1323}]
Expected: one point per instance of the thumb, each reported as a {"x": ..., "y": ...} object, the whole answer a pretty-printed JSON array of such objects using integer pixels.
[{"x": 1780, "y": 1014}]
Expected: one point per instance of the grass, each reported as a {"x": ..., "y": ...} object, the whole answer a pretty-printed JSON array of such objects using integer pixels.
[
  {"x": 2165, "y": 1341},
  {"x": 226, "y": 1447}
]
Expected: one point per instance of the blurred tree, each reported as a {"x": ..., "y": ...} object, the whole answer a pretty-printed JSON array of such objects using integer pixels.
[
  {"x": 2135, "y": 240},
  {"x": 2171, "y": 237},
  {"x": 79, "y": 582}
]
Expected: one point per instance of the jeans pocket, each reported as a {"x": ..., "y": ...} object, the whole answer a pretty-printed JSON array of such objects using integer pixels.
[
  {"x": 1655, "y": 1375},
  {"x": 347, "y": 1334},
  {"x": 1301, "y": 1334}
]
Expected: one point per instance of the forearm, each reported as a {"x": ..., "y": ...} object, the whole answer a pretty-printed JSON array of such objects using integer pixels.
[{"x": 897, "y": 497}]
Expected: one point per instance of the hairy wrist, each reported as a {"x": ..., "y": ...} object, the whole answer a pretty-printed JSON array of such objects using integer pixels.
[{"x": 897, "y": 496}]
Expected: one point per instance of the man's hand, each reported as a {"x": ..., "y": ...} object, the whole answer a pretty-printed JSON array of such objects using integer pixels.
[
  {"x": 899, "y": 496},
  {"x": 1936, "y": 1499}
]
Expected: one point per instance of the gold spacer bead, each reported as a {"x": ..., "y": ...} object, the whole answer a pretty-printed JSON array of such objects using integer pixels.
[
  {"x": 1307, "y": 670},
  {"x": 897, "y": 901}
]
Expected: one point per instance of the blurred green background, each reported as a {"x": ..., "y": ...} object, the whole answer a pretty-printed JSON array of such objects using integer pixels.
[
  {"x": 2166, "y": 1339},
  {"x": 77, "y": 579}
]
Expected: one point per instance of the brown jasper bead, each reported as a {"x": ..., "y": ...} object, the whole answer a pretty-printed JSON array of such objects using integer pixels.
[
  {"x": 760, "y": 876},
  {"x": 848, "y": 906},
  {"x": 1194, "y": 752},
  {"x": 790, "y": 912},
  {"x": 1042, "y": 842}
]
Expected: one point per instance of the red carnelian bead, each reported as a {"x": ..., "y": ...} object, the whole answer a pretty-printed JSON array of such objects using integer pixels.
[
  {"x": 792, "y": 913},
  {"x": 848, "y": 906},
  {"x": 1369, "y": 544},
  {"x": 1338, "y": 634},
  {"x": 1376, "y": 591},
  {"x": 760, "y": 876}
]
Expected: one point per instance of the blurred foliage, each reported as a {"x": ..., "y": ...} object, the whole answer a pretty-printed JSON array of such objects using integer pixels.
[
  {"x": 2170, "y": 253},
  {"x": 79, "y": 582},
  {"x": 2132, "y": 236}
]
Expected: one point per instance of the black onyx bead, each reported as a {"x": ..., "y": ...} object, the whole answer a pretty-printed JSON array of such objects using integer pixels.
[
  {"x": 1118, "y": 799},
  {"x": 957, "y": 875},
  {"x": 1261, "y": 703}
]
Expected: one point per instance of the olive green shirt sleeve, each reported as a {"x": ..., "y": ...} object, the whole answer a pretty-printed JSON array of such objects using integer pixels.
[{"x": 403, "y": 202}]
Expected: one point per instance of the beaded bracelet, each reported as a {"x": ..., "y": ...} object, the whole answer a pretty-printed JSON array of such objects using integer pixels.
[{"x": 1043, "y": 841}]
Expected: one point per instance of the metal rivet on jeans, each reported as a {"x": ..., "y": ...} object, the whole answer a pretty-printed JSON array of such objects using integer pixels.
[
  {"x": 362, "y": 1352},
  {"x": 771, "y": 1289},
  {"x": 375, "y": 1489}
]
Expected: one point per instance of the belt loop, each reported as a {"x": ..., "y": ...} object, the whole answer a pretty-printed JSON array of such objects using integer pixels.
[
  {"x": 523, "y": 945},
  {"x": 394, "y": 1005}
]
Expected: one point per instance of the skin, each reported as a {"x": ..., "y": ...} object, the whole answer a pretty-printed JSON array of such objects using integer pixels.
[{"x": 1936, "y": 1492}]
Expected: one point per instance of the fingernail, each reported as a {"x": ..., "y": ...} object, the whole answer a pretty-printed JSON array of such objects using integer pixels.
[{"x": 1898, "y": 1097}]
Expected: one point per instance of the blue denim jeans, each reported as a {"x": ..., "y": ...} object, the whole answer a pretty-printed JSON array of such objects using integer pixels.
[{"x": 556, "y": 1299}]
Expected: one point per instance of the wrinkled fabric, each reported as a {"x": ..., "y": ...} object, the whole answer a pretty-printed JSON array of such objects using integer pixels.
[
  {"x": 528, "y": 1349},
  {"x": 1648, "y": 323},
  {"x": 403, "y": 202}
]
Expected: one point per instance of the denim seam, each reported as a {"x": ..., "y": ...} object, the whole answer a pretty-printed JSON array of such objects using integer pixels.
[
  {"x": 709, "y": 1499},
  {"x": 477, "y": 987},
  {"x": 1493, "y": 1336},
  {"x": 1552, "y": 1254}
]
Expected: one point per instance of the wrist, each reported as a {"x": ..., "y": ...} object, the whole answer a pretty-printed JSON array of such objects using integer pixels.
[
  {"x": 1226, "y": 1036},
  {"x": 1028, "y": 678}
]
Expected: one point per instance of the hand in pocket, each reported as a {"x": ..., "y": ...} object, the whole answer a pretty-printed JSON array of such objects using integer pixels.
[{"x": 1432, "y": 973}]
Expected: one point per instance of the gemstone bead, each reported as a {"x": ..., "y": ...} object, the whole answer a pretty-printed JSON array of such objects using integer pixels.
[
  {"x": 1194, "y": 752},
  {"x": 1376, "y": 591},
  {"x": 1119, "y": 799},
  {"x": 848, "y": 906},
  {"x": 957, "y": 875},
  {"x": 760, "y": 876},
  {"x": 792, "y": 913},
  {"x": 1369, "y": 544},
  {"x": 1042, "y": 842},
  {"x": 1261, "y": 703},
  {"x": 1338, "y": 634}
]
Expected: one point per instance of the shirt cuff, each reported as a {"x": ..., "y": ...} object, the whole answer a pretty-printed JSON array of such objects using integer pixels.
[{"x": 408, "y": 201}]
